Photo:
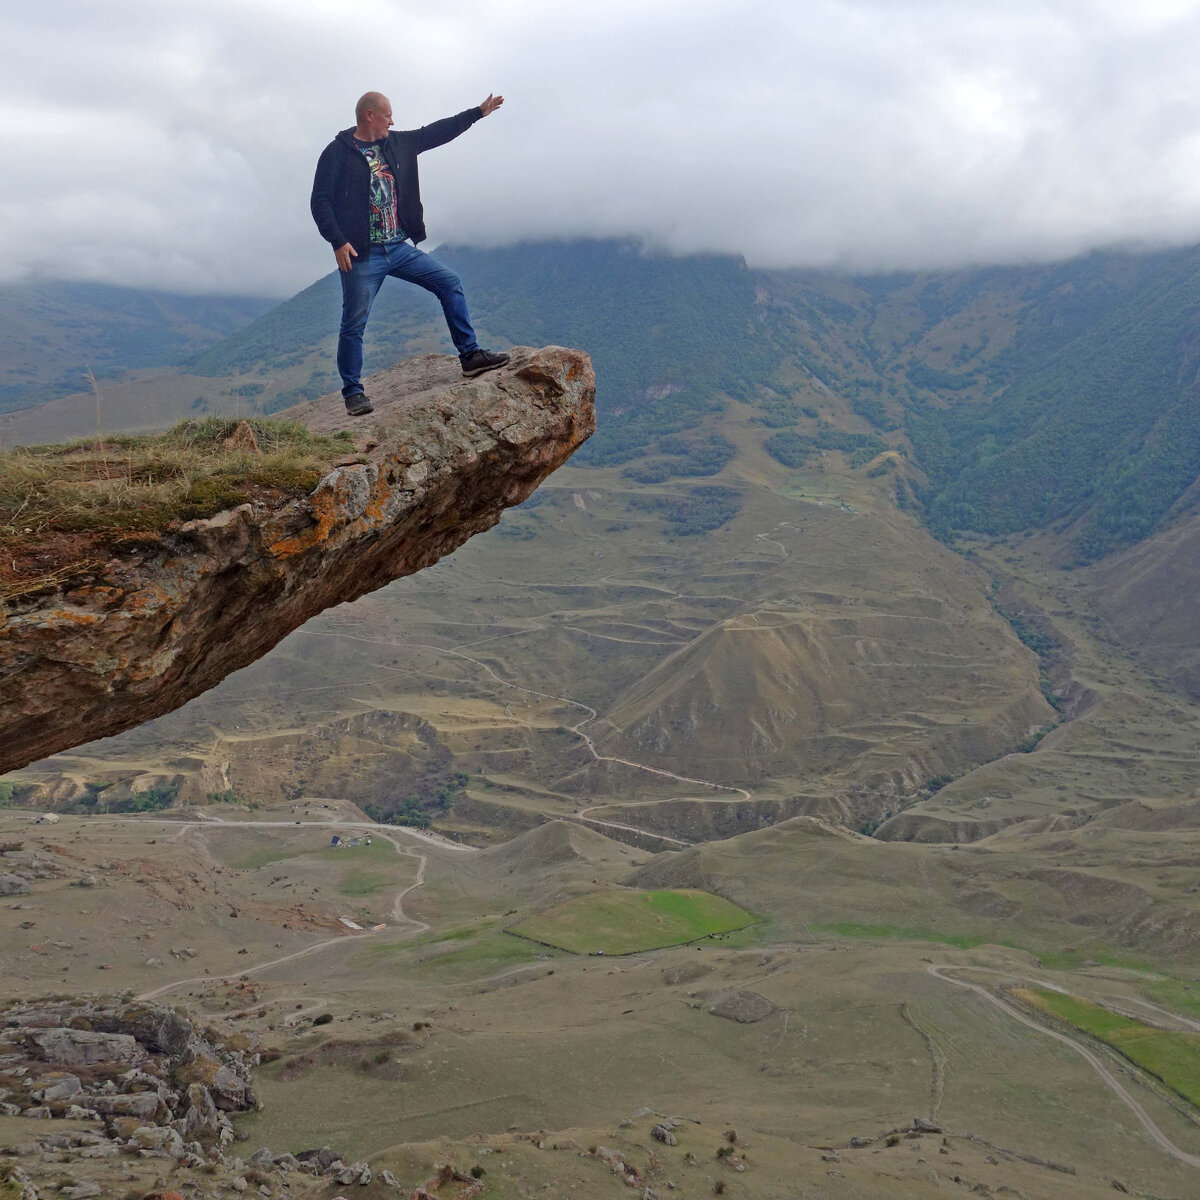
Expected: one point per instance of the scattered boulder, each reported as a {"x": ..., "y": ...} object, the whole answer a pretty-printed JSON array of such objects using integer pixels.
[
  {"x": 160, "y": 1138},
  {"x": 82, "y": 1047},
  {"x": 685, "y": 973},
  {"x": 201, "y": 1122},
  {"x": 161, "y": 1086},
  {"x": 925, "y": 1125},
  {"x": 144, "y": 1105},
  {"x": 161, "y": 1030},
  {"x": 738, "y": 1004},
  {"x": 75, "y": 1112},
  {"x": 230, "y": 1089},
  {"x": 13, "y": 885},
  {"x": 358, "y": 1173},
  {"x": 662, "y": 1133},
  {"x": 56, "y": 1086},
  {"x": 322, "y": 1159}
]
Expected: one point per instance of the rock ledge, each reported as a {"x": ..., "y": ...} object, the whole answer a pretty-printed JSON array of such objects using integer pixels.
[{"x": 441, "y": 458}]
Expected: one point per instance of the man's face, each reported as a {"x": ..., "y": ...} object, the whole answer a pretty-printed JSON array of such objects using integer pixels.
[{"x": 378, "y": 120}]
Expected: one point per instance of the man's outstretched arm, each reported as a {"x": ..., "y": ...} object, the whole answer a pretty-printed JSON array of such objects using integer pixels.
[{"x": 446, "y": 130}]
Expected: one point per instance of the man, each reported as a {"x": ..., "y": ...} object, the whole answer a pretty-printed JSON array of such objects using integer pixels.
[{"x": 366, "y": 201}]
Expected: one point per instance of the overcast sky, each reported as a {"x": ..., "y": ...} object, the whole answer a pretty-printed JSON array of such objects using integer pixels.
[{"x": 172, "y": 145}]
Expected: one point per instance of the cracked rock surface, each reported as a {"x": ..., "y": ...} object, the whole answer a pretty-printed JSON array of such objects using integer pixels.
[{"x": 439, "y": 460}]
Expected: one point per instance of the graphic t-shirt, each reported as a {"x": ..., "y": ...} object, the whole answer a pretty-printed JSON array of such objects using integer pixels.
[{"x": 385, "y": 225}]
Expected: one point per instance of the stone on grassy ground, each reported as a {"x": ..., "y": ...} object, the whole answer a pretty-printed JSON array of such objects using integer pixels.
[
  {"x": 738, "y": 1004},
  {"x": 685, "y": 973}
]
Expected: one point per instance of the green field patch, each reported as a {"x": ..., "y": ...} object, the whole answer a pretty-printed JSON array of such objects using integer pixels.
[
  {"x": 1168, "y": 1055},
  {"x": 467, "y": 944},
  {"x": 964, "y": 941},
  {"x": 626, "y": 922},
  {"x": 493, "y": 948},
  {"x": 363, "y": 883},
  {"x": 261, "y": 858},
  {"x": 386, "y": 950},
  {"x": 1169, "y": 991},
  {"x": 272, "y": 852},
  {"x": 378, "y": 851}
]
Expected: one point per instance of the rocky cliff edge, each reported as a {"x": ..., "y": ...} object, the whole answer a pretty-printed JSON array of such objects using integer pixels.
[{"x": 141, "y": 634}]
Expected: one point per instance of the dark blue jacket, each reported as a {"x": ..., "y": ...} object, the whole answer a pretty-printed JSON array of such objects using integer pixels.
[{"x": 341, "y": 195}]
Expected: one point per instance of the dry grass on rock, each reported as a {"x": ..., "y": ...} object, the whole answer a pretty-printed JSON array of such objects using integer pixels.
[
  {"x": 65, "y": 504},
  {"x": 146, "y": 481}
]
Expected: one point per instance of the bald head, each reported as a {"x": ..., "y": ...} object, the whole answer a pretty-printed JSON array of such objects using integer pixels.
[
  {"x": 373, "y": 114},
  {"x": 372, "y": 101}
]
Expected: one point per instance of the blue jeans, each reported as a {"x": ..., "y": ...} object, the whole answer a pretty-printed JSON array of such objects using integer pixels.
[{"x": 361, "y": 284}]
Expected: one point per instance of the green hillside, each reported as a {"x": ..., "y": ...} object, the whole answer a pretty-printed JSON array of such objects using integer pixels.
[
  {"x": 52, "y": 332},
  {"x": 1104, "y": 430}
]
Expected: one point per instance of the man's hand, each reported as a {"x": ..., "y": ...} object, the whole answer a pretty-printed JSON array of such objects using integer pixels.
[
  {"x": 344, "y": 254},
  {"x": 491, "y": 104}
]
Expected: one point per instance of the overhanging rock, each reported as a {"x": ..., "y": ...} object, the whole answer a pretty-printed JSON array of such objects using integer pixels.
[{"x": 442, "y": 457}]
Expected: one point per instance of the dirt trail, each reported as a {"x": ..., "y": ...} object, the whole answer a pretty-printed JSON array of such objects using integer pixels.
[
  {"x": 662, "y": 837},
  {"x": 937, "y": 970},
  {"x": 1186, "y": 1022},
  {"x": 576, "y": 729},
  {"x": 255, "y": 969},
  {"x": 398, "y": 913}
]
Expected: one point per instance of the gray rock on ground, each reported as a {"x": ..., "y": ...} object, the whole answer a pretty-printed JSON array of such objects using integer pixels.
[
  {"x": 322, "y": 1159},
  {"x": 161, "y": 1030},
  {"x": 56, "y": 1086},
  {"x": 739, "y": 1004},
  {"x": 82, "y": 1047},
  {"x": 161, "y": 1138},
  {"x": 685, "y": 973}
]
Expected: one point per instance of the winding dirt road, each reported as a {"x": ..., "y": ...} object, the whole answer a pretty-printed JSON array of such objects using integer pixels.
[
  {"x": 388, "y": 833},
  {"x": 938, "y": 971}
]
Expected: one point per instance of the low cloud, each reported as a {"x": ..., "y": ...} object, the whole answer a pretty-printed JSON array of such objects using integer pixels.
[{"x": 173, "y": 146}]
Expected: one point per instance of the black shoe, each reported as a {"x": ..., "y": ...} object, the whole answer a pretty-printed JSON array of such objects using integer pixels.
[
  {"x": 358, "y": 405},
  {"x": 479, "y": 361}
]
